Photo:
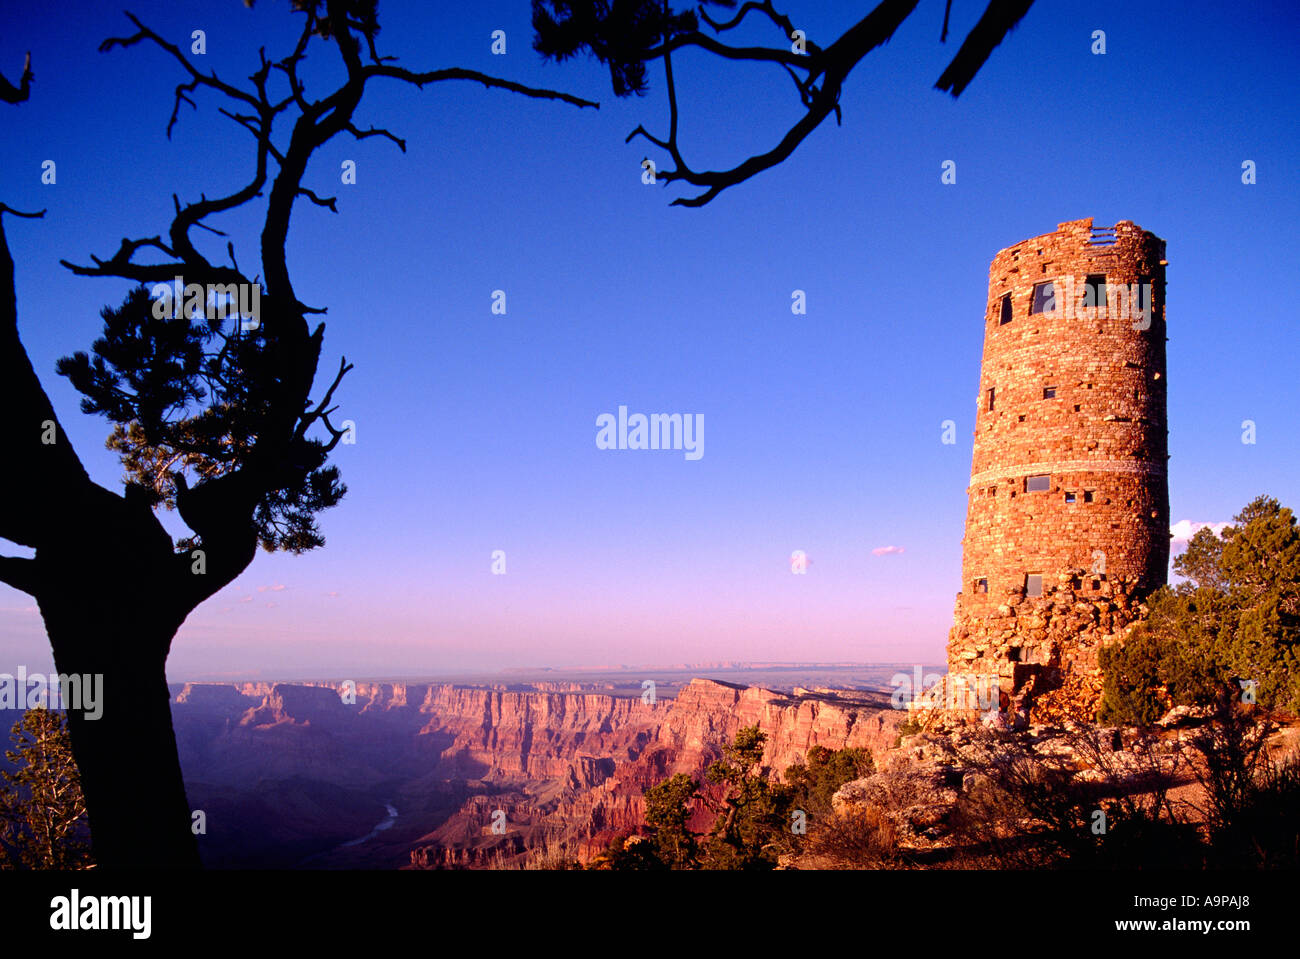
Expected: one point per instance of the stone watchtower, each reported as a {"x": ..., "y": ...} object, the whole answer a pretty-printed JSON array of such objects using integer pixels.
[{"x": 1067, "y": 519}]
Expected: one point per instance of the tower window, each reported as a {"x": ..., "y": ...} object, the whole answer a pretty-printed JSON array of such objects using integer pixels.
[
  {"x": 1087, "y": 496},
  {"x": 1006, "y": 309},
  {"x": 1044, "y": 298},
  {"x": 1094, "y": 290},
  {"x": 1034, "y": 584},
  {"x": 990, "y": 398},
  {"x": 1049, "y": 392},
  {"x": 981, "y": 585},
  {"x": 1069, "y": 497},
  {"x": 1039, "y": 483}
]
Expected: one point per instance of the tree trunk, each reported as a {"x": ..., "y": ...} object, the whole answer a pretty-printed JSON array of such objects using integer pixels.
[{"x": 127, "y": 758}]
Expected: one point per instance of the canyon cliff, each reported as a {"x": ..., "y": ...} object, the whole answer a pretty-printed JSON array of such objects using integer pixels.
[{"x": 478, "y": 775}]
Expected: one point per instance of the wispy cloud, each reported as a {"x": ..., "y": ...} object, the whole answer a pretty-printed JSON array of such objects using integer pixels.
[
  {"x": 887, "y": 551},
  {"x": 1185, "y": 529},
  {"x": 277, "y": 588}
]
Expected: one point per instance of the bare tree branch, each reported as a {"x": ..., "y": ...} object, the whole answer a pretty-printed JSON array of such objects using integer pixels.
[
  {"x": 30, "y": 216},
  {"x": 330, "y": 202},
  {"x": 457, "y": 73},
  {"x": 373, "y": 132},
  {"x": 208, "y": 80},
  {"x": 818, "y": 73},
  {"x": 998, "y": 20},
  {"x": 321, "y": 410},
  {"x": 21, "y": 574},
  {"x": 706, "y": 42},
  {"x": 831, "y": 65},
  {"x": 17, "y": 94},
  {"x": 766, "y": 8}
]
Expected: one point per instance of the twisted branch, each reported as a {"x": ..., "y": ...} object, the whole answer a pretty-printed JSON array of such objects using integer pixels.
[
  {"x": 17, "y": 94},
  {"x": 818, "y": 75}
]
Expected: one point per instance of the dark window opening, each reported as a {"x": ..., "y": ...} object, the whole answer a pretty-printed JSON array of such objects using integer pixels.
[
  {"x": 1069, "y": 497},
  {"x": 990, "y": 395},
  {"x": 1087, "y": 496},
  {"x": 1077, "y": 407},
  {"x": 1006, "y": 309},
  {"x": 1049, "y": 392},
  {"x": 1094, "y": 290},
  {"x": 1044, "y": 298},
  {"x": 1013, "y": 654},
  {"x": 1034, "y": 584},
  {"x": 1039, "y": 483},
  {"x": 981, "y": 585},
  {"x": 1021, "y": 418}
]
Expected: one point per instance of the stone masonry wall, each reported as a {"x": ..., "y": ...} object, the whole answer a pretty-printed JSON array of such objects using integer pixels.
[{"x": 1074, "y": 396}]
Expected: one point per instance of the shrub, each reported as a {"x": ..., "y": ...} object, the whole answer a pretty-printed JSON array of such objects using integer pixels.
[{"x": 1236, "y": 618}]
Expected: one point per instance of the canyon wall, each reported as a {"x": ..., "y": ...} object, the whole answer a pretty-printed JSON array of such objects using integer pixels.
[{"x": 550, "y": 767}]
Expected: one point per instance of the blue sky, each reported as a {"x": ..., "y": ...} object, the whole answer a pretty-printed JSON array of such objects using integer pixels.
[{"x": 476, "y": 432}]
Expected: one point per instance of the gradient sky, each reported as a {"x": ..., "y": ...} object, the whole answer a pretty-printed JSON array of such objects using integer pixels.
[{"x": 476, "y": 432}]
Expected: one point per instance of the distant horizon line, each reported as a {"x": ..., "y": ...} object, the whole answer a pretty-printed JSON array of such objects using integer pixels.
[{"x": 562, "y": 672}]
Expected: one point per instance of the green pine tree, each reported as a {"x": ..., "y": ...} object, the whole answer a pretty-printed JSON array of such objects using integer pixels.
[
  {"x": 754, "y": 812},
  {"x": 1231, "y": 630},
  {"x": 42, "y": 811}
]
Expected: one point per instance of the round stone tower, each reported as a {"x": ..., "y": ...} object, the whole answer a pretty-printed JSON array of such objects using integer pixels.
[{"x": 1067, "y": 520}]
